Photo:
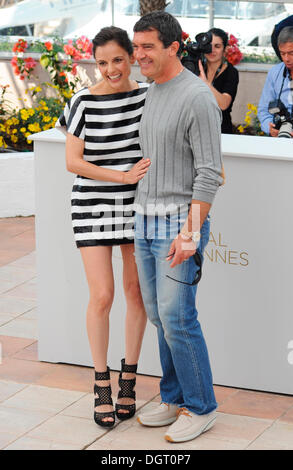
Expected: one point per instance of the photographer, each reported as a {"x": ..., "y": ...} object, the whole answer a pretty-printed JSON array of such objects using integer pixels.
[
  {"x": 278, "y": 83},
  {"x": 221, "y": 77}
]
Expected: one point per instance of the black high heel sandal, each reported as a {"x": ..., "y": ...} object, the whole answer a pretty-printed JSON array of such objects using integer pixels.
[
  {"x": 103, "y": 397},
  {"x": 126, "y": 391}
]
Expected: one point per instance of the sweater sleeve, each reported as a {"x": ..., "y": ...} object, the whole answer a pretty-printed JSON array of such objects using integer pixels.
[{"x": 205, "y": 140}]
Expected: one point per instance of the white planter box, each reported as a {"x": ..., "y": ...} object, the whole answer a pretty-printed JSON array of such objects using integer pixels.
[
  {"x": 245, "y": 297},
  {"x": 17, "y": 187}
]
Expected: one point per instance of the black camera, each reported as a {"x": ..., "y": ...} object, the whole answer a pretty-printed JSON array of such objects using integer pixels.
[
  {"x": 196, "y": 50},
  {"x": 282, "y": 118}
]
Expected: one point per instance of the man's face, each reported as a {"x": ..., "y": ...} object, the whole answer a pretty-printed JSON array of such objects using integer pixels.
[
  {"x": 151, "y": 55},
  {"x": 286, "y": 52}
]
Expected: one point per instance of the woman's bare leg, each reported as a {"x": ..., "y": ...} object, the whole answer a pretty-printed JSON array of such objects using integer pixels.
[
  {"x": 135, "y": 315},
  {"x": 98, "y": 268}
]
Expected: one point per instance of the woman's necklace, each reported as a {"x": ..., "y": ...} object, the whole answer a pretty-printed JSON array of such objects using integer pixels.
[{"x": 217, "y": 72}]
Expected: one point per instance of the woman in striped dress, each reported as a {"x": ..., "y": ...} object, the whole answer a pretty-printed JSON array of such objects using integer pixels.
[{"x": 102, "y": 149}]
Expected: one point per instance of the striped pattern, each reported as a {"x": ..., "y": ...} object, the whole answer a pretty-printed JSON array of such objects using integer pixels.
[{"x": 102, "y": 211}]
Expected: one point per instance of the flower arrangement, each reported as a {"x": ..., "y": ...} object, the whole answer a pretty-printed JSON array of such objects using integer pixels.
[
  {"x": 23, "y": 67},
  {"x": 232, "y": 54},
  {"x": 63, "y": 73},
  {"x": 252, "y": 124},
  {"x": 16, "y": 125},
  {"x": 15, "y": 130}
]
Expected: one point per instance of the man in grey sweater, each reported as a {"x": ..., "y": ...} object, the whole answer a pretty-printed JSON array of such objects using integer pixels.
[{"x": 180, "y": 133}]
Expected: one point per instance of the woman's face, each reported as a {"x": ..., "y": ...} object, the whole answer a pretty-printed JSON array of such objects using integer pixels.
[
  {"x": 114, "y": 63},
  {"x": 217, "y": 50}
]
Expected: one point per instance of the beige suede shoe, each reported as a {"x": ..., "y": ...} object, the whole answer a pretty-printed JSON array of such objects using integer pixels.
[
  {"x": 161, "y": 416},
  {"x": 189, "y": 426}
]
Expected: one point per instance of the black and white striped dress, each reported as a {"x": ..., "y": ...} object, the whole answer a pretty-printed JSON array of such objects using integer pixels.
[{"x": 102, "y": 211}]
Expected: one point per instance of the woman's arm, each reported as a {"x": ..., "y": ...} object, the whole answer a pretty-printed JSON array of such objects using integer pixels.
[
  {"x": 223, "y": 99},
  {"x": 77, "y": 165}
]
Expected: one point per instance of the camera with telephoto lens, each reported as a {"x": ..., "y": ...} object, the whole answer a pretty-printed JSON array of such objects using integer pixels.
[
  {"x": 282, "y": 118},
  {"x": 196, "y": 50}
]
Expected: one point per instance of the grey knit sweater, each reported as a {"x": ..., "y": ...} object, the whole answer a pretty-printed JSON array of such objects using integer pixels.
[{"x": 180, "y": 131}]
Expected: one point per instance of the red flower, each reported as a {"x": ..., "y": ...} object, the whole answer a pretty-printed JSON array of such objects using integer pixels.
[
  {"x": 48, "y": 45},
  {"x": 233, "y": 53},
  {"x": 20, "y": 46},
  {"x": 184, "y": 36},
  {"x": 74, "y": 71}
]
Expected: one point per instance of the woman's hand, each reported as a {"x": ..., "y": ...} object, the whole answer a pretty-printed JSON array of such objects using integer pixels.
[
  {"x": 137, "y": 172},
  {"x": 202, "y": 74}
]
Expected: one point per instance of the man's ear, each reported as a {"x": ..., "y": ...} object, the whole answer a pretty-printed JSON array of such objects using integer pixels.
[
  {"x": 132, "y": 59},
  {"x": 174, "y": 48}
]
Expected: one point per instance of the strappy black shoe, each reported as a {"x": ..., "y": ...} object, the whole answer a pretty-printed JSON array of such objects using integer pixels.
[
  {"x": 103, "y": 397},
  {"x": 126, "y": 391}
]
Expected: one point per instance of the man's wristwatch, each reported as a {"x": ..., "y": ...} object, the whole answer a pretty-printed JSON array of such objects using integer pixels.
[{"x": 194, "y": 236}]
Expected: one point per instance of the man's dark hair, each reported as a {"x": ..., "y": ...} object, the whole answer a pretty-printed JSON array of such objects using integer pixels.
[
  {"x": 112, "y": 33},
  {"x": 169, "y": 29}
]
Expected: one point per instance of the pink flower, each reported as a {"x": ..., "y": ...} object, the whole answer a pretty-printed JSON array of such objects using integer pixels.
[
  {"x": 29, "y": 63},
  {"x": 84, "y": 44},
  {"x": 69, "y": 49}
]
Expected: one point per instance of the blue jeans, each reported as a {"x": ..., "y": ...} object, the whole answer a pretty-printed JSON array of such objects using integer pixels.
[{"x": 170, "y": 306}]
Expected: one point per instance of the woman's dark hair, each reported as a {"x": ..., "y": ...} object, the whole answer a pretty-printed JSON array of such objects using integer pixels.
[
  {"x": 220, "y": 34},
  {"x": 112, "y": 33},
  {"x": 169, "y": 29}
]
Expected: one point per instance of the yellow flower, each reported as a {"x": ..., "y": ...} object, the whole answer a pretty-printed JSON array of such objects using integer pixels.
[
  {"x": 14, "y": 131},
  {"x": 240, "y": 129},
  {"x": 14, "y": 138},
  {"x": 252, "y": 108},
  {"x": 31, "y": 112},
  {"x": 247, "y": 120},
  {"x": 27, "y": 134},
  {"x": 23, "y": 129},
  {"x": 54, "y": 119},
  {"x": 2, "y": 142},
  {"x": 29, "y": 141},
  {"x": 9, "y": 122},
  {"x": 38, "y": 89},
  {"x": 34, "y": 127},
  {"x": 46, "y": 118},
  {"x": 67, "y": 94},
  {"x": 24, "y": 114}
]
